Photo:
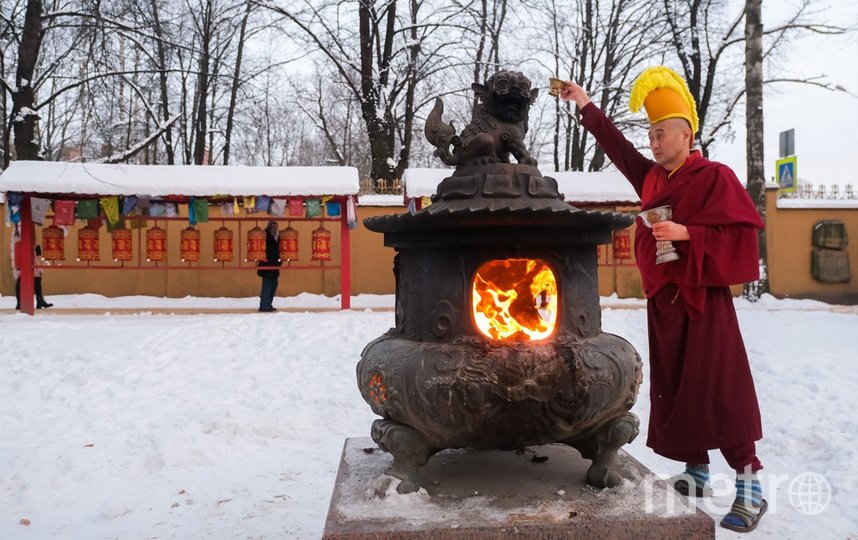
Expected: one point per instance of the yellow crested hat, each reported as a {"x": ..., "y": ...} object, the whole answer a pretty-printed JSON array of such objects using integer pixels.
[{"x": 664, "y": 94}]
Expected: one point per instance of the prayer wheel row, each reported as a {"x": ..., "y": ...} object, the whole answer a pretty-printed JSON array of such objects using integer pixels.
[
  {"x": 288, "y": 244},
  {"x": 53, "y": 244}
]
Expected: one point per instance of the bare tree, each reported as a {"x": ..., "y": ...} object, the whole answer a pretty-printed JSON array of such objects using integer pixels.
[
  {"x": 754, "y": 126},
  {"x": 162, "y": 66},
  {"x": 205, "y": 29},
  {"x": 24, "y": 115},
  {"x": 332, "y": 112},
  {"x": 600, "y": 45},
  {"x": 488, "y": 18},
  {"x": 236, "y": 78},
  {"x": 704, "y": 41},
  {"x": 380, "y": 65},
  {"x": 79, "y": 31}
]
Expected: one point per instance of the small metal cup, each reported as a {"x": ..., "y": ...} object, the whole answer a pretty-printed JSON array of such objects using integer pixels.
[
  {"x": 665, "y": 251},
  {"x": 555, "y": 86}
]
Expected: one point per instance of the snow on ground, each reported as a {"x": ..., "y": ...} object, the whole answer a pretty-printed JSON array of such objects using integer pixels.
[
  {"x": 300, "y": 301},
  {"x": 231, "y": 425}
]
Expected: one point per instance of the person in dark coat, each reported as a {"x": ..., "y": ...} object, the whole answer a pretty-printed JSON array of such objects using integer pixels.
[
  {"x": 701, "y": 389},
  {"x": 270, "y": 277}
]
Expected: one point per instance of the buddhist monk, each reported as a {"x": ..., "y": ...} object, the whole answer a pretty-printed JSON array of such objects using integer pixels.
[{"x": 701, "y": 388}]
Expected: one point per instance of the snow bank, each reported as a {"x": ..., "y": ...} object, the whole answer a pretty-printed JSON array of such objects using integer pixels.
[{"x": 231, "y": 425}]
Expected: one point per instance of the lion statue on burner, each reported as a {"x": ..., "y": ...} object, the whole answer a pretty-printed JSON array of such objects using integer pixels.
[{"x": 498, "y": 126}]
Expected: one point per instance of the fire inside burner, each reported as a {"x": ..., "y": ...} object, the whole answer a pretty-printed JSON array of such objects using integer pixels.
[{"x": 515, "y": 299}]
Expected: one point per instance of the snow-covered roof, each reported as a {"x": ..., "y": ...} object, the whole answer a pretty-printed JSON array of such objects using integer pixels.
[
  {"x": 605, "y": 186},
  {"x": 58, "y": 177},
  {"x": 817, "y": 203},
  {"x": 381, "y": 200},
  {"x": 423, "y": 182}
]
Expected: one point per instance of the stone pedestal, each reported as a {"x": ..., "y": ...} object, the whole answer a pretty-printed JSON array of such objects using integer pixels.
[{"x": 538, "y": 493}]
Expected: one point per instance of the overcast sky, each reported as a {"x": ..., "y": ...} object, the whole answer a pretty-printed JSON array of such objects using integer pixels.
[{"x": 825, "y": 122}]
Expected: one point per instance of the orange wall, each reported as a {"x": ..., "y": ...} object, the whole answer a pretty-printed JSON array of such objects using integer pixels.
[
  {"x": 788, "y": 234},
  {"x": 154, "y": 281},
  {"x": 372, "y": 262}
]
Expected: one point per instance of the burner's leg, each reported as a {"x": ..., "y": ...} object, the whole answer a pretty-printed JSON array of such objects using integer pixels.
[
  {"x": 601, "y": 446},
  {"x": 410, "y": 450}
]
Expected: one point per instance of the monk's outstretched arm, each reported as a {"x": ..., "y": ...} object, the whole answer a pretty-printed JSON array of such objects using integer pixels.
[{"x": 622, "y": 153}]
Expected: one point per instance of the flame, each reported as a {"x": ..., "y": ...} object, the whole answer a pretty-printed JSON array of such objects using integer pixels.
[{"x": 515, "y": 299}]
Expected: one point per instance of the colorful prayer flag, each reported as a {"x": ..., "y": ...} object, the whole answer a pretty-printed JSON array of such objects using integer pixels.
[
  {"x": 110, "y": 205},
  {"x": 86, "y": 209},
  {"x": 296, "y": 207},
  {"x": 63, "y": 212},
  {"x": 39, "y": 209},
  {"x": 314, "y": 207}
]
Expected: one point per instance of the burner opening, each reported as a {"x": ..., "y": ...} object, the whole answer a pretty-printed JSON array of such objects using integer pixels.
[{"x": 515, "y": 299}]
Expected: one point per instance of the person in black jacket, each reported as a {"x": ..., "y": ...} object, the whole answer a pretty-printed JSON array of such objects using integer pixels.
[{"x": 269, "y": 277}]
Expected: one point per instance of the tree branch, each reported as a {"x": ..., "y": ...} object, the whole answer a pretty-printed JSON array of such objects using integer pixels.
[{"x": 128, "y": 153}]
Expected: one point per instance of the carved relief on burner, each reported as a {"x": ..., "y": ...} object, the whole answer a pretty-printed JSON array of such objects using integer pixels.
[
  {"x": 460, "y": 187},
  {"x": 500, "y": 396},
  {"x": 542, "y": 187},
  {"x": 502, "y": 185},
  {"x": 377, "y": 389},
  {"x": 444, "y": 317}
]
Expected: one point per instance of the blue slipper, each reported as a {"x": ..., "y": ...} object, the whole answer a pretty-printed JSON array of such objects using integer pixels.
[{"x": 740, "y": 519}]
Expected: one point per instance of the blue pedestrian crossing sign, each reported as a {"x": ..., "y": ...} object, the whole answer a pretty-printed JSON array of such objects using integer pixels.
[{"x": 787, "y": 174}]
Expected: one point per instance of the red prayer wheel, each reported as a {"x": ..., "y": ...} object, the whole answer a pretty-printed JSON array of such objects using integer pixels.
[
  {"x": 256, "y": 244},
  {"x": 87, "y": 244},
  {"x": 622, "y": 245},
  {"x": 53, "y": 244},
  {"x": 120, "y": 240},
  {"x": 156, "y": 244},
  {"x": 321, "y": 244},
  {"x": 189, "y": 246},
  {"x": 223, "y": 245},
  {"x": 289, "y": 244}
]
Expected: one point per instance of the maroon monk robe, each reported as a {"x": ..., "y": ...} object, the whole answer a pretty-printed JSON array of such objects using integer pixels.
[{"x": 701, "y": 389}]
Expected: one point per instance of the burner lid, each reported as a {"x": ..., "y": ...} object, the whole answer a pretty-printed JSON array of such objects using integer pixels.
[{"x": 499, "y": 194}]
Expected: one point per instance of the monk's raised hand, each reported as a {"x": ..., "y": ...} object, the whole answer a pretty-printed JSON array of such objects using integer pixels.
[{"x": 573, "y": 92}]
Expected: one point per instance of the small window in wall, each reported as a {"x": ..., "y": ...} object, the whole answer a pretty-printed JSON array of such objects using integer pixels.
[{"x": 829, "y": 259}]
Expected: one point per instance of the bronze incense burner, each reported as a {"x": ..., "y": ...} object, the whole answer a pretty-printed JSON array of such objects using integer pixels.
[{"x": 498, "y": 341}]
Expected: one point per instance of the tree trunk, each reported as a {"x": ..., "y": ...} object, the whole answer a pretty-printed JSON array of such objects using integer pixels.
[
  {"x": 380, "y": 125},
  {"x": 555, "y": 34},
  {"x": 211, "y": 156},
  {"x": 24, "y": 117},
  {"x": 408, "y": 129},
  {"x": 754, "y": 125},
  {"x": 233, "y": 94},
  {"x": 162, "y": 79},
  {"x": 478, "y": 58},
  {"x": 4, "y": 129},
  {"x": 200, "y": 125}
]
